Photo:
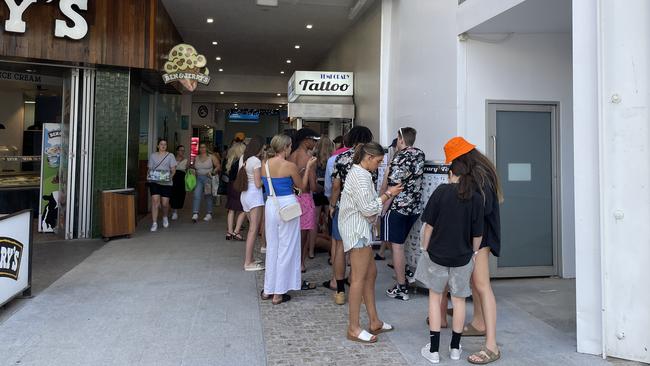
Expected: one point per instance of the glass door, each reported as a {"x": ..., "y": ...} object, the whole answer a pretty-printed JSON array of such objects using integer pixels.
[{"x": 523, "y": 146}]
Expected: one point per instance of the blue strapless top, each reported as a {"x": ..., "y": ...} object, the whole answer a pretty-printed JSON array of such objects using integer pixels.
[{"x": 282, "y": 186}]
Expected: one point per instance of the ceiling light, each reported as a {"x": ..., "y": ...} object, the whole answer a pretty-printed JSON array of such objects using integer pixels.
[
  {"x": 29, "y": 70},
  {"x": 296, "y": 46},
  {"x": 288, "y": 61},
  {"x": 281, "y": 72},
  {"x": 210, "y": 20},
  {"x": 279, "y": 95},
  {"x": 218, "y": 58},
  {"x": 235, "y": 104},
  {"x": 309, "y": 26},
  {"x": 222, "y": 93},
  {"x": 214, "y": 43},
  {"x": 220, "y": 70},
  {"x": 30, "y": 102}
]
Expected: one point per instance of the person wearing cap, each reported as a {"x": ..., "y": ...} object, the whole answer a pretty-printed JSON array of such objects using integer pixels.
[
  {"x": 407, "y": 168},
  {"x": 485, "y": 313},
  {"x": 304, "y": 142}
]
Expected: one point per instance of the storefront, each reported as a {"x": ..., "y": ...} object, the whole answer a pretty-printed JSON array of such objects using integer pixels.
[
  {"x": 322, "y": 101},
  {"x": 72, "y": 102}
]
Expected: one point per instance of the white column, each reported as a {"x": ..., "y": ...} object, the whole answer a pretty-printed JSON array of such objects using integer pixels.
[
  {"x": 624, "y": 57},
  {"x": 586, "y": 175},
  {"x": 384, "y": 73}
]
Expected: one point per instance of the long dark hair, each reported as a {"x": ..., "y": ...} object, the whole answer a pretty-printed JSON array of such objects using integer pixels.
[
  {"x": 466, "y": 183},
  {"x": 371, "y": 148},
  {"x": 253, "y": 148},
  {"x": 483, "y": 172}
]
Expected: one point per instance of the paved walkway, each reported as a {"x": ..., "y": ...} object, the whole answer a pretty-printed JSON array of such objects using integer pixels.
[{"x": 179, "y": 297}]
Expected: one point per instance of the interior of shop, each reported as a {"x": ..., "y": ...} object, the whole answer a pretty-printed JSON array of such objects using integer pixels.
[{"x": 30, "y": 101}]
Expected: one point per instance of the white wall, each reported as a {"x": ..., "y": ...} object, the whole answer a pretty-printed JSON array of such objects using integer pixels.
[
  {"x": 526, "y": 67},
  {"x": 12, "y": 116},
  {"x": 359, "y": 52},
  {"x": 421, "y": 59}
]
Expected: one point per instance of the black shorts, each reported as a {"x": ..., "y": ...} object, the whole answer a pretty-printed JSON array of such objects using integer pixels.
[
  {"x": 160, "y": 190},
  {"x": 395, "y": 227},
  {"x": 321, "y": 200}
]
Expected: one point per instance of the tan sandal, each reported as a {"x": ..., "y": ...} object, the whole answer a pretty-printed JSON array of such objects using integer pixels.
[
  {"x": 363, "y": 337},
  {"x": 485, "y": 355},
  {"x": 385, "y": 327},
  {"x": 470, "y": 331}
]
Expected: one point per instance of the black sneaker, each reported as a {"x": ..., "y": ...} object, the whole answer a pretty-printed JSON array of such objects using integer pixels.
[
  {"x": 410, "y": 276},
  {"x": 398, "y": 292}
]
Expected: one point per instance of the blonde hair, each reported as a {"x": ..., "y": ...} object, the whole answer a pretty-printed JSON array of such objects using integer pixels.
[
  {"x": 234, "y": 153},
  {"x": 324, "y": 149},
  {"x": 279, "y": 143}
]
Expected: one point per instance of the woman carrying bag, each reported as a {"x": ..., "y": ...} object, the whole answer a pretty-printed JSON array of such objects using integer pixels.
[
  {"x": 282, "y": 222},
  {"x": 162, "y": 167},
  {"x": 206, "y": 165}
]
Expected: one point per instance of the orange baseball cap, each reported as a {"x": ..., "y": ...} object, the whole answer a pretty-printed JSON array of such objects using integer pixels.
[{"x": 456, "y": 147}]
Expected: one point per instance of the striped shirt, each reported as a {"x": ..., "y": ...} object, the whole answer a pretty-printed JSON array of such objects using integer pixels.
[{"x": 358, "y": 208}]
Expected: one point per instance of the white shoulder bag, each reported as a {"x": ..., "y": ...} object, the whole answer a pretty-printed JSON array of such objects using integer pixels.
[{"x": 289, "y": 212}]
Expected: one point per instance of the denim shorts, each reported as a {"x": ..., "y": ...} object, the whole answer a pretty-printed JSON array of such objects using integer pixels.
[{"x": 335, "y": 226}]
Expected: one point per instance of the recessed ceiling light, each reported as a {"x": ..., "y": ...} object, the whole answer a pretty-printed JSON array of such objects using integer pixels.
[
  {"x": 218, "y": 58},
  {"x": 214, "y": 43},
  {"x": 235, "y": 104},
  {"x": 220, "y": 70},
  {"x": 29, "y": 70},
  {"x": 296, "y": 46},
  {"x": 279, "y": 95},
  {"x": 210, "y": 20},
  {"x": 281, "y": 72},
  {"x": 288, "y": 61},
  {"x": 222, "y": 93},
  {"x": 309, "y": 26},
  {"x": 281, "y": 105}
]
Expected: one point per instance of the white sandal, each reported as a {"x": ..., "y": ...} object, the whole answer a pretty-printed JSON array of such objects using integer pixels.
[
  {"x": 254, "y": 267},
  {"x": 363, "y": 337},
  {"x": 385, "y": 327}
]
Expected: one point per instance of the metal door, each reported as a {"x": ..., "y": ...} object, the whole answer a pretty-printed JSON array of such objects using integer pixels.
[{"x": 522, "y": 140}]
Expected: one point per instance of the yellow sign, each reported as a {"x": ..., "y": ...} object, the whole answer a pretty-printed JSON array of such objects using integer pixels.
[{"x": 187, "y": 67}]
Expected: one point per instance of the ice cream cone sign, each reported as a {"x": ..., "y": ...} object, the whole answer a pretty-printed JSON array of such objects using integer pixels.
[{"x": 186, "y": 67}]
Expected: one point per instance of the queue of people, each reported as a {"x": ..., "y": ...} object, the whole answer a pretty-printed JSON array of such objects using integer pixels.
[{"x": 305, "y": 191}]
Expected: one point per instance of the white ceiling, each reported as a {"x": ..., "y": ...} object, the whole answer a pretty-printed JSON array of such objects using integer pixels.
[
  {"x": 255, "y": 40},
  {"x": 531, "y": 16}
]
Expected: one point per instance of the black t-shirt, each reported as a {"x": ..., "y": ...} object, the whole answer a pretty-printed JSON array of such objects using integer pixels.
[
  {"x": 492, "y": 225},
  {"x": 455, "y": 222}
]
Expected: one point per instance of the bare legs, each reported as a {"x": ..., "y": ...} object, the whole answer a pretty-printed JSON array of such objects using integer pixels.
[
  {"x": 338, "y": 262},
  {"x": 399, "y": 262},
  {"x": 155, "y": 205},
  {"x": 165, "y": 206},
  {"x": 304, "y": 238},
  {"x": 254, "y": 218},
  {"x": 231, "y": 219},
  {"x": 436, "y": 315},
  {"x": 485, "y": 307},
  {"x": 362, "y": 288}
]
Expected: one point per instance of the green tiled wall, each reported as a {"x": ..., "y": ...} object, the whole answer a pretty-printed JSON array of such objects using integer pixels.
[{"x": 111, "y": 131}]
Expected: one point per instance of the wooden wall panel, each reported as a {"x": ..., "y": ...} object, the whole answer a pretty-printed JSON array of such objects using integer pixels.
[{"x": 121, "y": 33}]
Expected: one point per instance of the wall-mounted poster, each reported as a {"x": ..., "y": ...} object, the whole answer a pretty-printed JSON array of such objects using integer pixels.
[{"x": 48, "y": 214}]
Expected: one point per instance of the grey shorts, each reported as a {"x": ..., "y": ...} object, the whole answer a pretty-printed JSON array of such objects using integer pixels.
[{"x": 435, "y": 276}]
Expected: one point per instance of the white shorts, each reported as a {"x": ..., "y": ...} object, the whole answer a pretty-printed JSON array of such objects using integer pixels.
[{"x": 251, "y": 198}]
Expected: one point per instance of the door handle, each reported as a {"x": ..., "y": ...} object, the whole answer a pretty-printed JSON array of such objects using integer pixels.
[{"x": 494, "y": 149}]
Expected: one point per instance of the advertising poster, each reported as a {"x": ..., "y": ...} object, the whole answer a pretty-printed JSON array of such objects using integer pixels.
[
  {"x": 48, "y": 213},
  {"x": 15, "y": 248}
]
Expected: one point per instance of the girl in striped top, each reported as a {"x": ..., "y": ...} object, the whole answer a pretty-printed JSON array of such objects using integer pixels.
[{"x": 358, "y": 210}]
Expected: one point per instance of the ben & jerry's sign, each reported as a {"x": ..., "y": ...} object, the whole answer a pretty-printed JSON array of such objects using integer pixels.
[
  {"x": 187, "y": 67},
  {"x": 10, "y": 257},
  {"x": 74, "y": 26}
]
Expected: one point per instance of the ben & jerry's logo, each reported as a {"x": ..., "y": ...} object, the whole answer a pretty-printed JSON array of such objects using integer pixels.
[
  {"x": 10, "y": 257},
  {"x": 187, "y": 67}
]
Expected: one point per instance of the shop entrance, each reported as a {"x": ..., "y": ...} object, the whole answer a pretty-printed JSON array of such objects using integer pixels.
[
  {"x": 45, "y": 146},
  {"x": 524, "y": 147}
]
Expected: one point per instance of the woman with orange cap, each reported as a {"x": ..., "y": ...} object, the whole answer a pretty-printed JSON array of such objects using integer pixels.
[{"x": 485, "y": 313}]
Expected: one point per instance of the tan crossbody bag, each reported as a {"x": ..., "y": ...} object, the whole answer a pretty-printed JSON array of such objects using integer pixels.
[{"x": 289, "y": 212}]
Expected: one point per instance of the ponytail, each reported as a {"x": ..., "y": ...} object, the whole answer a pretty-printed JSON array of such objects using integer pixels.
[
  {"x": 467, "y": 184},
  {"x": 370, "y": 148}
]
